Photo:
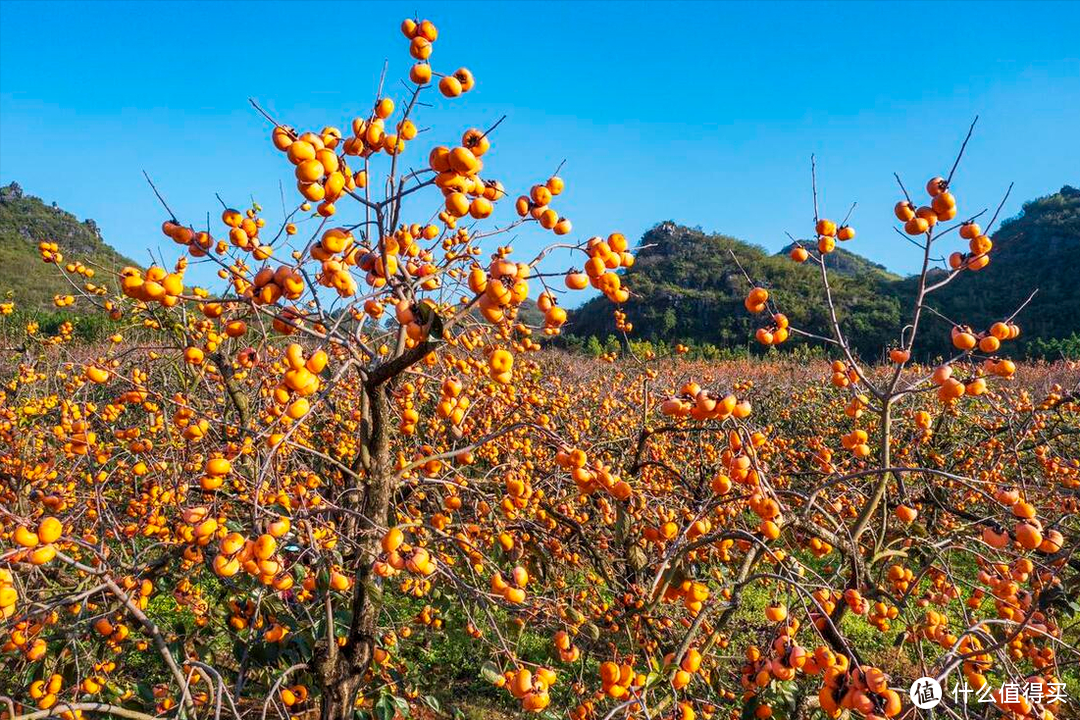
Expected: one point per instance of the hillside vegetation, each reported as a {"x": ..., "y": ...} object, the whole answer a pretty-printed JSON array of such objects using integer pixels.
[
  {"x": 24, "y": 222},
  {"x": 688, "y": 288},
  {"x": 1038, "y": 249},
  {"x": 846, "y": 262}
]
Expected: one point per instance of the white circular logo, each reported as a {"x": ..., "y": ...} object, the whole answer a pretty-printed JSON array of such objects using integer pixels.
[{"x": 926, "y": 693}]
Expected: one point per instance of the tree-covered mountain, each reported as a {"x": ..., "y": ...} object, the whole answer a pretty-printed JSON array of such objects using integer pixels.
[
  {"x": 847, "y": 263},
  {"x": 1039, "y": 249},
  {"x": 688, "y": 288},
  {"x": 26, "y": 221}
]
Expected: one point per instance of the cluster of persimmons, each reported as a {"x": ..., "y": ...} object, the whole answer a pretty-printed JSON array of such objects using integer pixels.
[{"x": 270, "y": 499}]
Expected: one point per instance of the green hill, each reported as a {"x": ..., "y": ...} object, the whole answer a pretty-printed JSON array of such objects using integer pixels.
[
  {"x": 1037, "y": 249},
  {"x": 846, "y": 262},
  {"x": 24, "y": 222},
  {"x": 687, "y": 288}
]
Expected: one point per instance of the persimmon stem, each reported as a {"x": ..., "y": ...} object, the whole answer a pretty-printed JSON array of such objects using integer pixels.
[{"x": 998, "y": 211}]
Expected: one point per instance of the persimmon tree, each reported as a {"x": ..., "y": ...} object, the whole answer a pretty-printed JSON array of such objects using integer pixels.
[
  {"x": 291, "y": 445},
  {"x": 991, "y": 504}
]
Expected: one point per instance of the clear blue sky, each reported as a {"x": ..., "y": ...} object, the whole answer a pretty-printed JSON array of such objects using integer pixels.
[{"x": 702, "y": 113}]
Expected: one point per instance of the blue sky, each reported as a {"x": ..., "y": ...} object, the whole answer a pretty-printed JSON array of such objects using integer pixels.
[{"x": 702, "y": 113}]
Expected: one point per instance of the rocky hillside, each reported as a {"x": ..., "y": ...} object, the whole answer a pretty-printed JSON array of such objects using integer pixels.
[
  {"x": 688, "y": 288},
  {"x": 24, "y": 222}
]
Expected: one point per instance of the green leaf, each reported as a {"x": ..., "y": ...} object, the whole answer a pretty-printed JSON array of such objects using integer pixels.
[
  {"x": 145, "y": 692},
  {"x": 490, "y": 672},
  {"x": 385, "y": 707}
]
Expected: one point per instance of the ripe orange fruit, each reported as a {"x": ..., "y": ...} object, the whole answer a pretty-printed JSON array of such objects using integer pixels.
[
  {"x": 450, "y": 86},
  {"x": 906, "y": 514},
  {"x": 776, "y": 612},
  {"x": 392, "y": 540},
  {"x": 49, "y": 530},
  {"x": 24, "y": 537}
]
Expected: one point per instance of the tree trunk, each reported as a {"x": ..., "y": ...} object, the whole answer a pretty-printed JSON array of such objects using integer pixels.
[
  {"x": 886, "y": 434},
  {"x": 867, "y": 514},
  {"x": 340, "y": 669},
  {"x": 338, "y": 698}
]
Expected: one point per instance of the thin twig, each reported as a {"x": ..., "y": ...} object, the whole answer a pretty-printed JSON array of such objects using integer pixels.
[
  {"x": 848, "y": 216},
  {"x": 998, "y": 211},
  {"x": 902, "y": 188},
  {"x": 961, "y": 153},
  {"x": 497, "y": 123},
  {"x": 266, "y": 115},
  {"x": 162, "y": 200}
]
